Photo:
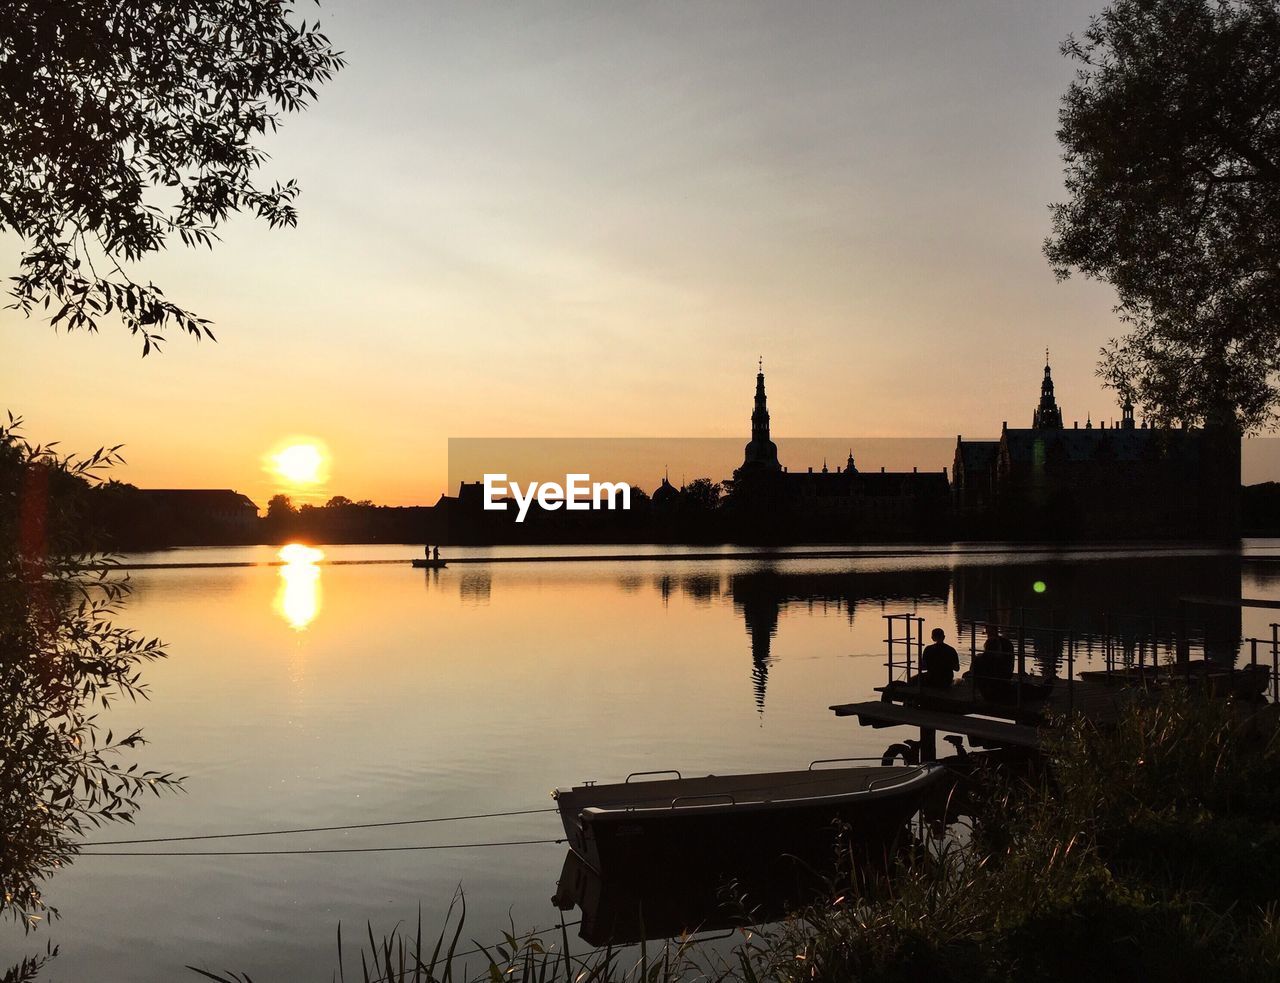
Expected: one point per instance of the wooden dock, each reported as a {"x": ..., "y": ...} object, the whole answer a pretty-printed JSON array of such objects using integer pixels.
[
  {"x": 985, "y": 724},
  {"x": 1015, "y": 712},
  {"x": 981, "y": 731}
]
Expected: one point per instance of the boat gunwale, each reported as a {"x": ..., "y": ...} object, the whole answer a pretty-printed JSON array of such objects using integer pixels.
[{"x": 921, "y": 774}]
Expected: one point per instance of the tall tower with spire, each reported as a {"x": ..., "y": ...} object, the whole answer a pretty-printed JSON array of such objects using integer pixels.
[
  {"x": 761, "y": 453},
  {"x": 1047, "y": 416}
]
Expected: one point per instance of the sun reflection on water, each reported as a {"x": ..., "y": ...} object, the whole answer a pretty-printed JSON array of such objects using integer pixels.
[{"x": 298, "y": 600}]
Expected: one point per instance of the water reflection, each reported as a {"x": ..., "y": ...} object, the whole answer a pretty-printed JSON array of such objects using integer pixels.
[
  {"x": 761, "y": 596},
  {"x": 672, "y": 903},
  {"x": 1135, "y": 600},
  {"x": 298, "y": 599},
  {"x": 475, "y": 588}
]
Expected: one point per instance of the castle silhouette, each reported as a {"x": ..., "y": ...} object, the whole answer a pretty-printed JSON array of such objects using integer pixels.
[{"x": 1121, "y": 481}]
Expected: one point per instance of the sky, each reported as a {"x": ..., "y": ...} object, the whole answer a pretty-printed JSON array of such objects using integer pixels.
[{"x": 545, "y": 219}]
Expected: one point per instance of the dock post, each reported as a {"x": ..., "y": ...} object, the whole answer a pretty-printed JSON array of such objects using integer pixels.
[
  {"x": 1022, "y": 652},
  {"x": 1071, "y": 671},
  {"x": 1182, "y": 642},
  {"x": 928, "y": 744},
  {"x": 919, "y": 643},
  {"x": 1275, "y": 662},
  {"x": 1106, "y": 643},
  {"x": 889, "y": 641}
]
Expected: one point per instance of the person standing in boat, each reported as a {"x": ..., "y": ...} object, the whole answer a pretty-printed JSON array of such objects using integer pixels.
[
  {"x": 427, "y": 550},
  {"x": 436, "y": 555},
  {"x": 939, "y": 662}
]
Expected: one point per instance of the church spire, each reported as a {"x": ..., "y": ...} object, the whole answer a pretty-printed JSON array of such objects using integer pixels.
[
  {"x": 761, "y": 451},
  {"x": 1047, "y": 415}
]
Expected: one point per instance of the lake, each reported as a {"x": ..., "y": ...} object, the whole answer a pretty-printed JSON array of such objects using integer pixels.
[{"x": 355, "y": 691}]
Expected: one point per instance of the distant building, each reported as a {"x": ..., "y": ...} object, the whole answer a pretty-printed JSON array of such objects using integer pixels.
[
  {"x": 1122, "y": 481},
  {"x": 761, "y": 453},
  {"x": 666, "y": 496},
  {"x": 203, "y": 509},
  {"x": 840, "y": 503}
]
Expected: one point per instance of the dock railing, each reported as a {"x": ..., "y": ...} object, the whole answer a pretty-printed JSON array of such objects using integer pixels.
[{"x": 1116, "y": 651}]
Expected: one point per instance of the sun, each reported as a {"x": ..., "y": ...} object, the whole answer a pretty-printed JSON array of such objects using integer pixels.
[{"x": 300, "y": 462}]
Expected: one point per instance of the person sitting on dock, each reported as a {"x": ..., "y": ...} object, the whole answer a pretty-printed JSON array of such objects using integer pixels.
[
  {"x": 939, "y": 662},
  {"x": 992, "y": 669}
]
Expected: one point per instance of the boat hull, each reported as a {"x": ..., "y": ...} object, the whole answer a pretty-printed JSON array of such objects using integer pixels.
[{"x": 721, "y": 835}]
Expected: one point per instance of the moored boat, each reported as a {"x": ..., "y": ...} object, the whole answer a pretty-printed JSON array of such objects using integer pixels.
[{"x": 717, "y": 820}]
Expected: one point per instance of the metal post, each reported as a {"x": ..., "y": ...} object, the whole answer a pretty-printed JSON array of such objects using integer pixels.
[
  {"x": 889, "y": 641},
  {"x": 928, "y": 744},
  {"x": 1071, "y": 671},
  {"x": 1022, "y": 652},
  {"x": 1275, "y": 662},
  {"x": 919, "y": 646},
  {"x": 1106, "y": 643}
]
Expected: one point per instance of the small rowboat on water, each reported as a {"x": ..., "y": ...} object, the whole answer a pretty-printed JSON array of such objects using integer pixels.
[
  {"x": 715, "y": 819},
  {"x": 430, "y": 564}
]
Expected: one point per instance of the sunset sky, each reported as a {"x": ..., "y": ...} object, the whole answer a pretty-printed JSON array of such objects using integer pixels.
[{"x": 590, "y": 219}]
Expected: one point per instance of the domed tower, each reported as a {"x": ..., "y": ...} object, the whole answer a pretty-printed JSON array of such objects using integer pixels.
[
  {"x": 1126, "y": 409},
  {"x": 761, "y": 453},
  {"x": 1047, "y": 416},
  {"x": 665, "y": 495}
]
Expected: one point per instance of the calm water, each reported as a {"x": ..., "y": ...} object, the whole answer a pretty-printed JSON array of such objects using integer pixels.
[{"x": 344, "y": 693}]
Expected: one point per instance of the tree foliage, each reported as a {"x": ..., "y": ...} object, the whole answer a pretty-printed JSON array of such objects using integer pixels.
[
  {"x": 63, "y": 658},
  {"x": 701, "y": 494},
  {"x": 125, "y": 123},
  {"x": 1171, "y": 139}
]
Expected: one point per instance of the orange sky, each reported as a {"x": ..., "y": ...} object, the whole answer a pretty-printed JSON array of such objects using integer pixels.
[{"x": 557, "y": 221}]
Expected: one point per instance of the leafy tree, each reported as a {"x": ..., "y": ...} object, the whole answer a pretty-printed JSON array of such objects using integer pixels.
[
  {"x": 1171, "y": 137},
  {"x": 702, "y": 494},
  {"x": 338, "y": 502},
  {"x": 62, "y": 658},
  {"x": 123, "y": 123},
  {"x": 280, "y": 507}
]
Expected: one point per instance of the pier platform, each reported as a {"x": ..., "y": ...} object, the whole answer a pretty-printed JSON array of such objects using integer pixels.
[
  {"x": 961, "y": 710},
  {"x": 981, "y": 731}
]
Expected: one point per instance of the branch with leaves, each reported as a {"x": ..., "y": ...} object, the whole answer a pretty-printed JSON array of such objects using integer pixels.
[{"x": 125, "y": 123}]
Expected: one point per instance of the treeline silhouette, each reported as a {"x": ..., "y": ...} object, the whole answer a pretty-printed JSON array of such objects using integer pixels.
[{"x": 124, "y": 517}]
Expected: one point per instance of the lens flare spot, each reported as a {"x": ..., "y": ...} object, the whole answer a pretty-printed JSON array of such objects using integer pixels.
[{"x": 1039, "y": 587}]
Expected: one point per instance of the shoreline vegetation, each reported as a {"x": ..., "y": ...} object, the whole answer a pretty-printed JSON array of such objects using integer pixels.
[
  {"x": 129, "y": 519},
  {"x": 1147, "y": 851},
  {"x": 835, "y": 551}
]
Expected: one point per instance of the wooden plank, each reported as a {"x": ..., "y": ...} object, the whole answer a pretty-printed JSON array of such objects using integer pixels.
[
  {"x": 877, "y": 713},
  {"x": 1230, "y": 602}
]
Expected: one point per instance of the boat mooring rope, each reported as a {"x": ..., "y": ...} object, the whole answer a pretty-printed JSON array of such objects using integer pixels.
[
  {"x": 317, "y": 829},
  {"x": 299, "y": 853}
]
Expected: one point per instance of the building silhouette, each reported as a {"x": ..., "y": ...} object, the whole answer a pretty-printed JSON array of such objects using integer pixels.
[
  {"x": 772, "y": 501},
  {"x": 1120, "y": 481},
  {"x": 761, "y": 454}
]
